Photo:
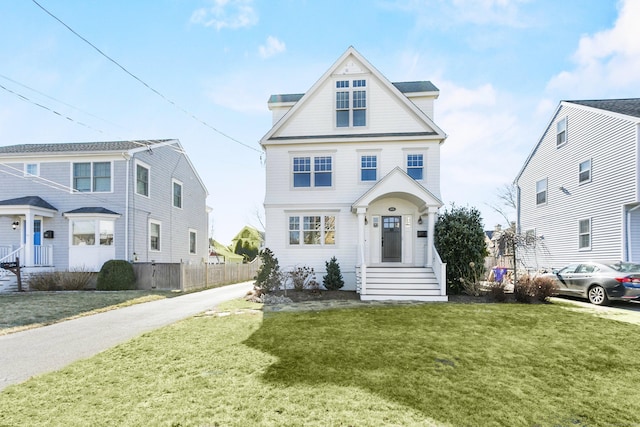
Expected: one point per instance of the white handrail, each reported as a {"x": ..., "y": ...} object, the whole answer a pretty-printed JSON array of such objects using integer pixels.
[{"x": 440, "y": 270}]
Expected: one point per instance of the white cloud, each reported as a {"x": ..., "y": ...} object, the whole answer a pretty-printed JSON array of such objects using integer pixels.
[
  {"x": 272, "y": 47},
  {"x": 607, "y": 62},
  {"x": 230, "y": 14}
]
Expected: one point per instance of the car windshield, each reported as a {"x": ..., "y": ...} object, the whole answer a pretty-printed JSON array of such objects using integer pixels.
[{"x": 626, "y": 267}]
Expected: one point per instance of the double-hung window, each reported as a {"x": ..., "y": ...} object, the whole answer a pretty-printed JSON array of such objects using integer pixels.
[
  {"x": 312, "y": 230},
  {"x": 351, "y": 103},
  {"x": 541, "y": 192},
  {"x": 584, "y": 234},
  {"x": 154, "y": 235},
  {"x": 584, "y": 172},
  {"x": 368, "y": 167},
  {"x": 319, "y": 176},
  {"x": 92, "y": 177},
  {"x": 177, "y": 194},
  {"x": 415, "y": 166},
  {"x": 192, "y": 241},
  {"x": 561, "y": 134},
  {"x": 142, "y": 179}
]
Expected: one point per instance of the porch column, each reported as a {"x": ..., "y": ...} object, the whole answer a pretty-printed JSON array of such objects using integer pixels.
[
  {"x": 361, "y": 216},
  {"x": 28, "y": 239},
  {"x": 431, "y": 227}
]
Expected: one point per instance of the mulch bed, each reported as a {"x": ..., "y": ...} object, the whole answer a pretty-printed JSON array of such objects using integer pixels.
[{"x": 320, "y": 295}]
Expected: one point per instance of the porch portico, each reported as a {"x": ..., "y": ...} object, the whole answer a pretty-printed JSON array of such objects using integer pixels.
[{"x": 396, "y": 220}]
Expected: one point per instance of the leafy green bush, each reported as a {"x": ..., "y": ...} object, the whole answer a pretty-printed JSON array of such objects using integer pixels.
[
  {"x": 333, "y": 280},
  {"x": 269, "y": 276},
  {"x": 459, "y": 239},
  {"x": 116, "y": 275}
]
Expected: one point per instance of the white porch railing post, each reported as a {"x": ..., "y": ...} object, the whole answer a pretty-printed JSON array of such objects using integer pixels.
[{"x": 361, "y": 250}]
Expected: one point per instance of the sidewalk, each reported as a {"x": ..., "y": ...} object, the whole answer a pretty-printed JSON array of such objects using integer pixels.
[{"x": 41, "y": 350}]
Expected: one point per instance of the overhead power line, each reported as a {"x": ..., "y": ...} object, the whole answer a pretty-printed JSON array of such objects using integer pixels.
[{"x": 144, "y": 83}]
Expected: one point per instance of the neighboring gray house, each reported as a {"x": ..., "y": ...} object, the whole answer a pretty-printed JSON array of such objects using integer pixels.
[
  {"x": 76, "y": 205},
  {"x": 579, "y": 189}
]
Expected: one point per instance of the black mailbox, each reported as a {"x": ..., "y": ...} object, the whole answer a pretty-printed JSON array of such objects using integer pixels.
[{"x": 48, "y": 234}]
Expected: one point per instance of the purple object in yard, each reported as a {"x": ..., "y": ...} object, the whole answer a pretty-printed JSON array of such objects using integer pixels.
[{"x": 499, "y": 273}]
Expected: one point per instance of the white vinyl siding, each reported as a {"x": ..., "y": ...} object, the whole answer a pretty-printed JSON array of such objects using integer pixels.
[{"x": 609, "y": 142}]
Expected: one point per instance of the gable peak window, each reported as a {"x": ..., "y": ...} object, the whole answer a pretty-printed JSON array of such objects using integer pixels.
[
  {"x": 177, "y": 194},
  {"x": 561, "y": 134},
  {"x": 351, "y": 103}
]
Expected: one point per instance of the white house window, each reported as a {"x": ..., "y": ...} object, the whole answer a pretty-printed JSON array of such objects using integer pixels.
[
  {"x": 142, "y": 179},
  {"x": 31, "y": 169},
  {"x": 348, "y": 113},
  {"x": 154, "y": 235},
  {"x": 541, "y": 192},
  {"x": 584, "y": 174},
  {"x": 177, "y": 194},
  {"x": 561, "y": 134},
  {"x": 584, "y": 234},
  {"x": 415, "y": 166},
  {"x": 92, "y": 232},
  {"x": 192, "y": 241},
  {"x": 368, "y": 167},
  {"x": 318, "y": 230},
  {"x": 92, "y": 177},
  {"x": 322, "y": 171}
]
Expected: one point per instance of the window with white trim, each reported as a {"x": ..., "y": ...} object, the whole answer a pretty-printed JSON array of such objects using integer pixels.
[
  {"x": 92, "y": 232},
  {"x": 415, "y": 166},
  {"x": 320, "y": 176},
  {"x": 351, "y": 103},
  {"x": 561, "y": 133},
  {"x": 31, "y": 169},
  {"x": 177, "y": 193},
  {"x": 142, "y": 179},
  {"x": 541, "y": 192},
  {"x": 368, "y": 167},
  {"x": 316, "y": 230},
  {"x": 193, "y": 241},
  {"x": 154, "y": 235},
  {"x": 584, "y": 234},
  {"x": 584, "y": 172},
  {"x": 91, "y": 177}
]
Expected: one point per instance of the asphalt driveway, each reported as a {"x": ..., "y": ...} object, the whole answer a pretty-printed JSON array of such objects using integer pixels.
[{"x": 41, "y": 350}]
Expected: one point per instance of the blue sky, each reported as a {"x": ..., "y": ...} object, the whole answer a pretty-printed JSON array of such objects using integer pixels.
[{"x": 502, "y": 66}]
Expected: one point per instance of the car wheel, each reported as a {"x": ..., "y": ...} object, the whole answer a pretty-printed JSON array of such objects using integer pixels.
[{"x": 597, "y": 295}]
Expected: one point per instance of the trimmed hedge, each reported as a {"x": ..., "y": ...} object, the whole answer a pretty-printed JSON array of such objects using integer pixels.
[{"x": 116, "y": 275}]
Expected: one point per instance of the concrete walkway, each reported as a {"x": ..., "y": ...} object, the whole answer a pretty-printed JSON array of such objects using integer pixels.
[{"x": 41, "y": 350}]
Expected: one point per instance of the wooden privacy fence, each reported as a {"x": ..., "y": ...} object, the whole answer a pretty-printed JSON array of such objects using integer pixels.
[{"x": 190, "y": 277}]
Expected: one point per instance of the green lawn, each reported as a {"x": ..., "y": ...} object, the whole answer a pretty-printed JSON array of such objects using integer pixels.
[
  {"x": 421, "y": 365},
  {"x": 25, "y": 310}
]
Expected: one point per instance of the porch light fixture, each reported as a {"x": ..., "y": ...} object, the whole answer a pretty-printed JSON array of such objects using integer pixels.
[
  {"x": 420, "y": 220},
  {"x": 365, "y": 221},
  {"x": 15, "y": 224}
]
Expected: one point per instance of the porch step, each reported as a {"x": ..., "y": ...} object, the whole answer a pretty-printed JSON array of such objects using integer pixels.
[{"x": 402, "y": 283}]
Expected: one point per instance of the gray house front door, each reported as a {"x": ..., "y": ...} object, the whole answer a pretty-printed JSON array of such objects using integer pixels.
[{"x": 391, "y": 239}]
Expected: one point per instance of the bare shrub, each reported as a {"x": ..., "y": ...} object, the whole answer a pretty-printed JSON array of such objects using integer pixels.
[
  {"x": 76, "y": 280},
  {"x": 301, "y": 276},
  {"x": 545, "y": 287},
  {"x": 525, "y": 289},
  {"x": 496, "y": 292},
  {"x": 45, "y": 281}
]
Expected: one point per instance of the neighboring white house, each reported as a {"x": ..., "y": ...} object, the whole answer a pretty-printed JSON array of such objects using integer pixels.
[
  {"x": 76, "y": 205},
  {"x": 579, "y": 190},
  {"x": 353, "y": 171}
]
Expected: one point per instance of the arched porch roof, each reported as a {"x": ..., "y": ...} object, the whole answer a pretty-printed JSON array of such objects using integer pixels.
[{"x": 398, "y": 184}]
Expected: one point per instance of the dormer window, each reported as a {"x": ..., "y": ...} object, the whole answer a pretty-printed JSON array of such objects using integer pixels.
[{"x": 351, "y": 103}]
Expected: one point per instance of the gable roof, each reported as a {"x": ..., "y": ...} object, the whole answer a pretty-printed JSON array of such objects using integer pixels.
[
  {"x": 351, "y": 51},
  {"x": 92, "y": 210},
  {"x": 77, "y": 147},
  {"x": 629, "y": 107}
]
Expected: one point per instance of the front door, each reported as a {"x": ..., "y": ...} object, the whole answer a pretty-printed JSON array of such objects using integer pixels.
[{"x": 391, "y": 239}]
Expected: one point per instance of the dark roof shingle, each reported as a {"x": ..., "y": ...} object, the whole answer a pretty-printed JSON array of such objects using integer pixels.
[
  {"x": 78, "y": 146},
  {"x": 35, "y": 201},
  {"x": 629, "y": 106}
]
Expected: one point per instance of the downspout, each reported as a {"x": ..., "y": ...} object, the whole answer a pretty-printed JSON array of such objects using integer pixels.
[{"x": 127, "y": 193}]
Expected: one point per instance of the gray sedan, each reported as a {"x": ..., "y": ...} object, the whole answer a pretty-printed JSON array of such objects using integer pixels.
[{"x": 599, "y": 282}]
